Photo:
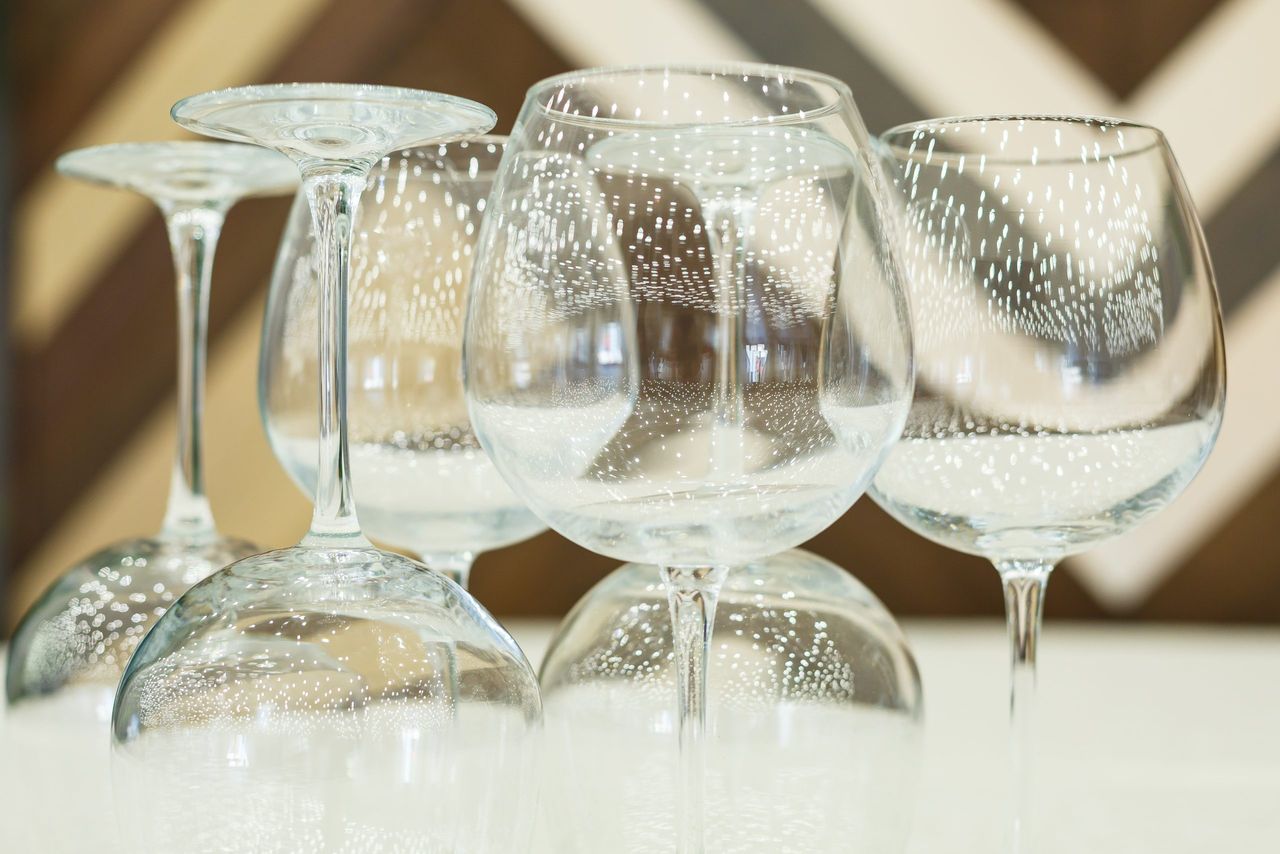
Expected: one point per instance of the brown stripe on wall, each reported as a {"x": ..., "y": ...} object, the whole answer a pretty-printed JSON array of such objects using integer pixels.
[
  {"x": 1121, "y": 41},
  {"x": 1234, "y": 576},
  {"x": 913, "y": 575},
  {"x": 1241, "y": 235},
  {"x": 797, "y": 33},
  {"x": 69, "y": 54}
]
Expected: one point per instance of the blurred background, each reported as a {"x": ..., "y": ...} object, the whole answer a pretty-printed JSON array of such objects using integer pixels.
[{"x": 86, "y": 387}]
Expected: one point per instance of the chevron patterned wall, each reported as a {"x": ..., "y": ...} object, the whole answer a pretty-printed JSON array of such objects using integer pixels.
[{"x": 90, "y": 319}]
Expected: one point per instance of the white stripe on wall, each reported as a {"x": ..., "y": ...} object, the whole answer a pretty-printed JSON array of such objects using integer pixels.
[
  {"x": 1124, "y": 570},
  {"x": 1217, "y": 100},
  {"x": 967, "y": 57},
  {"x": 589, "y": 32}
]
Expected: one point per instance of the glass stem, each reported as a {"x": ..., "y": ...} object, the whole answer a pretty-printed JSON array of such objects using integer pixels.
[
  {"x": 193, "y": 237},
  {"x": 334, "y": 197},
  {"x": 455, "y": 565},
  {"x": 727, "y": 238},
  {"x": 1024, "y": 587},
  {"x": 692, "y": 593}
]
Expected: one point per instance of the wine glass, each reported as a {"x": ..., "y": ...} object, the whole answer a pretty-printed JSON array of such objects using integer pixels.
[
  {"x": 68, "y": 652},
  {"x": 1069, "y": 357},
  {"x": 85, "y": 626},
  {"x": 329, "y": 696},
  {"x": 421, "y": 478},
  {"x": 687, "y": 343},
  {"x": 817, "y": 720}
]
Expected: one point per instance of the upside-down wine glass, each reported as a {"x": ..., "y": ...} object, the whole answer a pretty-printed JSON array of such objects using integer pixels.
[
  {"x": 687, "y": 343},
  {"x": 329, "y": 696},
  {"x": 817, "y": 713},
  {"x": 68, "y": 652},
  {"x": 1070, "y": 370},
  {"x": 84, "y": 628},
  {"x": 421, "y": 479}
]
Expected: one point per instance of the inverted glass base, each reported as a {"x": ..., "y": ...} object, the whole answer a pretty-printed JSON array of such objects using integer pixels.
[
  {"x": 317, "y": 123},
  {"x": 189, "y": 172}
]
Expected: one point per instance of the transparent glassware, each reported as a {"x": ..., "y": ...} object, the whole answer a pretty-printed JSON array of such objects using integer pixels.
[
  {"x": 86, "y": 625},
  {"x": 69, "y": 650},
  {"x": 330, "y": 696},
  {"x": 814, "y": 701},
  {"x": 687, "y": 342},
  {"x": 1069, "y": 355},
  {"x": 422, "y": 481}
]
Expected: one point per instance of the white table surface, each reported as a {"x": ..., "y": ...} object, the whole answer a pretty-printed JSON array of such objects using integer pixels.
[{"x": 1153, "y": 739}]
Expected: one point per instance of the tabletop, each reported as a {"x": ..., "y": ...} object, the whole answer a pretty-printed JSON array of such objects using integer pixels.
[{"x": 1151, "y": 739}]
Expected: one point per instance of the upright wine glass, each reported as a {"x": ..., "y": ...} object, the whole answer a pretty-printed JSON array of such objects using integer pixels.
[
  {"x": 1070, "y": 369},
  {"x": 687, "y": 343},
  {"x": 329, "y": 696},
  {"x": 421, "y": 478}
]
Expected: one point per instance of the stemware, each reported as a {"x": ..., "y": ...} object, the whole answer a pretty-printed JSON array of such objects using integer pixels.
[
  {"x": 1070, "y": 368},
  {"x": 86, "y": 625},
  {"x": 329, "y": 696},
  {"x": 686, "y": 342},
  {"x": 68, "y": 653},
  {"x": 422, "y": 481},
  {"x": 817, "y": 721}
]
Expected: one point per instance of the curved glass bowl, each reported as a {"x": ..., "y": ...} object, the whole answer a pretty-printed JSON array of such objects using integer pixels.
[
  {"x": 65, "y": 660},
  {"x": 79, "y": 635},
  {"x": 358, "y": 703},
  {"x": 814, "y": 716}
]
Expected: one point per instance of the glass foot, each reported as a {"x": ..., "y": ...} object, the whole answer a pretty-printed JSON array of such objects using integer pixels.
[
  {"x": 183, "y": 174},
  {"x": 332, "y": 123}
]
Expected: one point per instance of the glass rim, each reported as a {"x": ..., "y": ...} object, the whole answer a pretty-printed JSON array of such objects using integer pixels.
[
  {"x": 193, "y": 107},
  {"x": 909, "y": 129},
  {"x": 436, "y": 151},
  {"x": 498, "y": 139},
  {"x": 842, "y": 92}
]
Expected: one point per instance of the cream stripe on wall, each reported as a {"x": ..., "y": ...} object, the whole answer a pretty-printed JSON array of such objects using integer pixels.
[
  {"x": 244, "y": 480},
  {"x": 588, "y": 32},
  {"x": 1216, "y": 99},
  {"x": 966, "y": 57},
  {"x": 1241, "y": 465},
  {"x": 208, "y": 44}
]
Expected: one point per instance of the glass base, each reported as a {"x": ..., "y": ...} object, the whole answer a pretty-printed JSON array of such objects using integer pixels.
[
  {"x": 327, "y": 700},
  {"x": 334, "y": 123},
  {"x": 184, "y": 173},
  {"x": 80, "y": 634}
]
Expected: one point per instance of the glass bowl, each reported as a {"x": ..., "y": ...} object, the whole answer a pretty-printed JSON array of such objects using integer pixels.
[{"x": 359, "y": 702}]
